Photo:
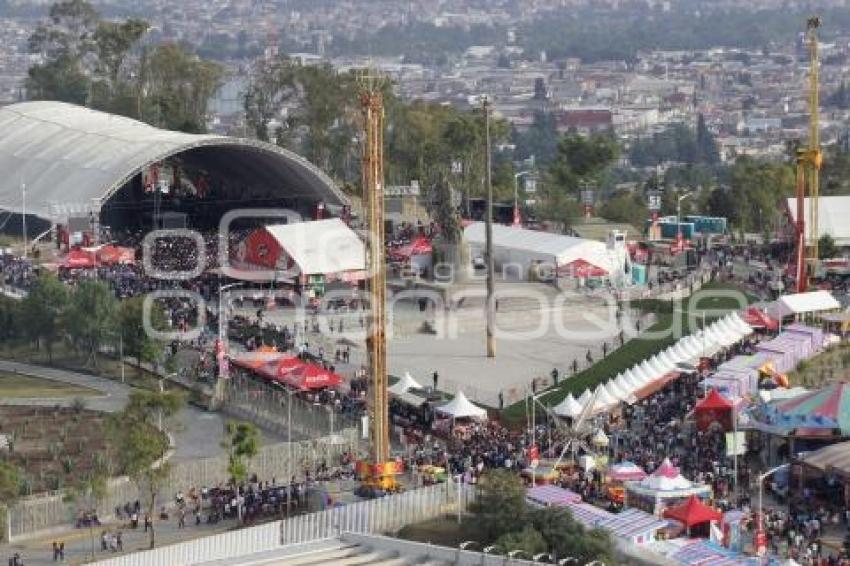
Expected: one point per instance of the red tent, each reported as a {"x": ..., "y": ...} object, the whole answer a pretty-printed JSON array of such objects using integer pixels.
[
  {"x": 111, "y": 255},
  {"x": 758, "y": 319},
  {"x": 311, "y": 376},
  {"x": 582, "y": 268},
  {"x": 714, "y": 408},
  {"x": 278, "y": 368},
  {"x": 79, "y": 259},
  {"x": 692, "y": 512},
  {"x": 254, "y": 361},
  {"x": 419, "y": 246}
]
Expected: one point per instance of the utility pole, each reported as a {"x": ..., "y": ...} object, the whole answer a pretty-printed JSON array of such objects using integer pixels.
[
  {"x": 24, "y": 215},
  {"x": 488, "y": 230}
]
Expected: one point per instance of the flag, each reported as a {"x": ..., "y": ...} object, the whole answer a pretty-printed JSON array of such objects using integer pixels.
[{"x": 517, "y": 218}]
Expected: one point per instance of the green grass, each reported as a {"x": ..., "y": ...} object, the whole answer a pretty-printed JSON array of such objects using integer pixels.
[
  {"x": 639, "y": 349},
  {"x": 18, "y": 386},
  {"x": 443, "y": 531}
]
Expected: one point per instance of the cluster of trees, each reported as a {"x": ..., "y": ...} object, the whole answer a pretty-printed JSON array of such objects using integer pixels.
[
  {"x": 676, "y": 143},
  {"x": 88, "y": 317},
  {"x": 103, "y": 64},
  {"x": 316, "y": 111},
  {"x": 503, "y": 518}
]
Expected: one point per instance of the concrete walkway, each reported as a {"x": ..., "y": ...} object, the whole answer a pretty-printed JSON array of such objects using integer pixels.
[{"x": 197, "y": 433}]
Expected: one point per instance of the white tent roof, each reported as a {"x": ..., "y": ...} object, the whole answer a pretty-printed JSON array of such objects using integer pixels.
[
  {"x": 672, "y": 355},
  {"x": 585, "y": 397},
  {"x": 545, "y": 246},
  {"x": 321, "y": 246},
  {"x": 604, "y": 399},
  {"x": 404, "y": 384},
  {"x": 665, "y": 478},
  {"x": 630, "y": 381},
  {"x": 616, "y": 391},
  {"x": 649, "y": 371},
  {"x": 833, "y": 212},
  {"x": 569, "y": 407},
  {"x": 799, "y": 303},
  {"x": 623, "y": 384},
  {"x": 461, "y": 407},
  {"x": 70, "y": 155},
  {"x": 657, "y": 365},
  {"x": 642, "y": 376},
  {"x": 666, "y": 361},
  {"x": 681, "y": 353}
]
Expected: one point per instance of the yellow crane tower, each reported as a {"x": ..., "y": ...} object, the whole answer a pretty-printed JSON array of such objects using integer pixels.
[
  {"x": 809, "y": 161},
  {"x": 379, "y": 471}
]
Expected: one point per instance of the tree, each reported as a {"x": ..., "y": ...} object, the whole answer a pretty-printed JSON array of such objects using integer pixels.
[
  {"x": 179, "y": 86},
  {"x": 91, "y": 491},
  {"x": 758, "y": 189},
  {"x": 625, "y": 207},
  {"x": 91, "y": 317},
  {"x": 706, "y": 145},
  {"x": 528, "y": 540},
  {"x": 43, "y": 309},
  {"x": 582, "y": 159},
  {"x": 722, "y": 203},
  {"x": 137, "y": 341},
  {"x": 140, "y": 453},
  {"x": 500, "y": 507},
  {"x": 10, "y": 491},
  {"x": 827, "y": 248},
  {"x": 565, "y": 537},
  {"x": 242, "y": 442}
]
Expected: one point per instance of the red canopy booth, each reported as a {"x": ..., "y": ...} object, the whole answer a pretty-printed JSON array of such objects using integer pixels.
[
  {"x": 79, "y": 259},
  {"x": 692, "y": 512},
  {"x": 277, "y": 368},
  {"x": 311, "y": 376},
  {"x": 714, "y": 408},
  {"x": 112, "y": 255},
  {"x": 582, "y": 268},
  {"x": 759, "y": 319}
]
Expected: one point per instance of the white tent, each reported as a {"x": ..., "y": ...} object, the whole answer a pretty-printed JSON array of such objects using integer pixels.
[
  {"x": 604, "y": 399},
  {"x": 657, "y": 365},
  {"x": 649, "y": 371},
  {"x": 631, "y": 379},
  {"x": 672, "y": 355},
  {"x": 642, "y": 375},
  {"x": 681, "y": 353},
  {"x": 665, "y": 478},
  {"x": 616, "y": 391},
  {"x": 520, "y": 247},
  {"x": 584, "y": 398},
  {"x": 461, "y": 407},
  {"x": 320, "y": 247},
  {"x": 569, "y": 407},
  {"x": 623, "y": 384},
  {"x": 404, "y": 384},
  {"x": 746, "y": 329},
  {"x": 666, "y": 361},
  {"x": 802, "y": 303}
]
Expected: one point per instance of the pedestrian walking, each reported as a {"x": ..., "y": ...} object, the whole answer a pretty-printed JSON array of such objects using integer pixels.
[
  {"x": 435, "y": 378},
  {"x": 55, "y": 551}
]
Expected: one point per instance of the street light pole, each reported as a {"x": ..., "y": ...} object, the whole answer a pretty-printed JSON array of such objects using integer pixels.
[
  {"x": 488, "y": 230},
  {"x": 24, "y": 215},
  {"x": 679, "y": 216}
]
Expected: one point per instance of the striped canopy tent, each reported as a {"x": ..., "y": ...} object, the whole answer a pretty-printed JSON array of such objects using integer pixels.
[
  {"x": 632, "y": 524},
  {"x": 818, "y": 412},
  {"x": 626, "y": 471}
]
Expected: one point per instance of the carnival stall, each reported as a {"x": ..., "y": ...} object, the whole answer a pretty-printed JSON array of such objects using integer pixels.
[
  {"x": 633, "y": 525},
  {"x": 663, "y": 488},
  {"x": 692, "y": 513},
  {"x": 458, "y": 415},
  {"x": 714, "y": 408},
  {"x": 619, "y": 473},
  {"x": 550, "y": 496}
]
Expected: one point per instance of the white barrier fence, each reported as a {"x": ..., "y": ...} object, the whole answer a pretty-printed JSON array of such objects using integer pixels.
[{"x": 365, "y": 517}]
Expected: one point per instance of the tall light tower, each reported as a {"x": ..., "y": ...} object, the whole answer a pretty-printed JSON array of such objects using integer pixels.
[
  {"x": 809, "y": 162},
  {"x": 379, "y": 470}
]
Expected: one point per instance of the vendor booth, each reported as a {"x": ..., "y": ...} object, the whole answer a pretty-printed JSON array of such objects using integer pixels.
[
  {"x": 457, "y": 414},
  {"x": 550, "y": 496},
  {"x": 619, "y": 473},
  {"x": 714, "y": 408},
  {"x": 664, "y": 488},
  {"x": 692, "y": 513},
  {"x": 632, "y": 525}
]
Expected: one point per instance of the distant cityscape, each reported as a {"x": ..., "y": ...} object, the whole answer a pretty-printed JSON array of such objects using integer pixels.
[{"x": 752, "y": 98}]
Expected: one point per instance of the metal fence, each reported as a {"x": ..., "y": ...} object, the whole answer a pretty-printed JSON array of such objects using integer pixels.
[
  {"x": 269, "y": 407},
  {"x": 365, "y": 517},
  {"x": 34, "y": 514}
]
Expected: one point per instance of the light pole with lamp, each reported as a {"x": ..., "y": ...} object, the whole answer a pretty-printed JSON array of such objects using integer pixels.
[
  {"x": 761, "y": 479},
  {"x": 516, "y": 186},
  {"x": 679, "y": 238}
]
